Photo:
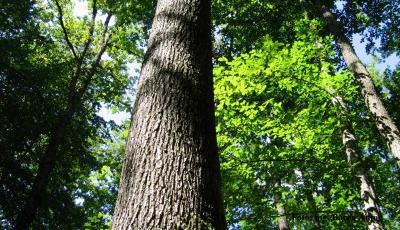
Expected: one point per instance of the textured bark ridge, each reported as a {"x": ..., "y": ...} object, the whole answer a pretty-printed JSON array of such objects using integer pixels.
[
  {"x": 354, "y": 159},
  {"x": 170, "y": 178},
  {"x": 384, "y": 122}
]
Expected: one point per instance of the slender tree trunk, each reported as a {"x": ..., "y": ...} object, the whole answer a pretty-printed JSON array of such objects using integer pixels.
[
  {"x": 310, "y": 201},
  {"x": 57, "y": 135},
  {"x": 170, "y": 178},
  {"x": 46, "y": 165},
  {"x": 315, "y": 217},
  {"x": 383, "y": 121},
  {"x": 27, "y": 214},
  {"x": 354, "y": 158},
  {"x": 283, "y": 222}
]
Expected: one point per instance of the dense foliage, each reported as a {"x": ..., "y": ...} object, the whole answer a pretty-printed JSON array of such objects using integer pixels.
[
  {"x": 280, "y": 132},
  {"x": 44, "y": 45},
  {"x": 276, "y": 73}
]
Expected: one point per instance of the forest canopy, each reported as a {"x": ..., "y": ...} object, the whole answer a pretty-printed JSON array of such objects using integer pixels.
[{"x": 261, "y": 113}]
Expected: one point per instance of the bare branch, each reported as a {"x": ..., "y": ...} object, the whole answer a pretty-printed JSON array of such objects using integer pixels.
[{"x": 61, "y": 20}]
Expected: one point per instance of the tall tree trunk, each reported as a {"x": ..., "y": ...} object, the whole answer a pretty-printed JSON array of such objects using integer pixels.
[
  {"x": 383, "y": 121},
  {"x": 27, "y": 214},
  {"x": 283, "y": 222},
  {"x": 57, "y": 135},
  {"x": 355, "y": 160},
  {"x": 46, "y": 165},
  {"x": 171, "y": 178}
]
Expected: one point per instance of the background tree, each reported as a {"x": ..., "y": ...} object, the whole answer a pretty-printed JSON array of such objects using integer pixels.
[
  {"x": 43, "y": 82},
  {"x": 384, "y": 122}
]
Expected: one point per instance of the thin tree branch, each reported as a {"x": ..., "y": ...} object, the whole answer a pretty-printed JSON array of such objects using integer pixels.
[
  {"x": 91, "y": 31},
  {"x": 94, "y": 66},
  {"x": 77, "y": 72},
  {"x": 61, "y": 20},
  {"x": 277, "y": 159},
  {"x": 313, "y": 84},
  {"x": 106, "y": 23},
  {"x": 105, "y": 41}
]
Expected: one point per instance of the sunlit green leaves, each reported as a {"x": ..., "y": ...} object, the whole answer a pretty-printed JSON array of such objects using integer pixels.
[{"x": 275, "y": 117}]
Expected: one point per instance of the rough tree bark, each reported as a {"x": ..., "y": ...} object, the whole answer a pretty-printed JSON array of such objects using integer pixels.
[
  {"x": 170, "y": 177},
  {"x": 355, "y": 160},
  {"x": 383, "y": 121},
  {"x": 283, "y": 222}
]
